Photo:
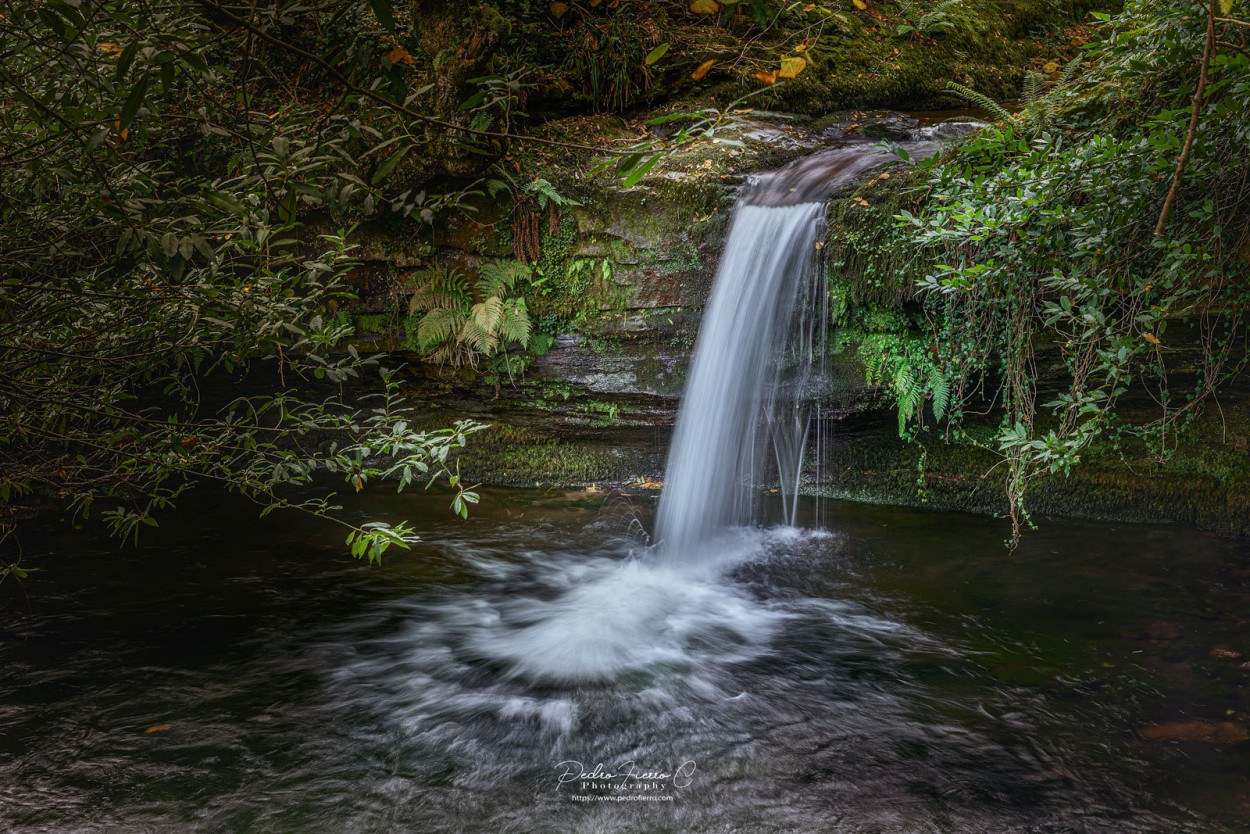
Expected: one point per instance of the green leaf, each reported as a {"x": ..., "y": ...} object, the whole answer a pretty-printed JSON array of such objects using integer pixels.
[
  {"x": 226, "y": 202},
  {"x": 389, "y": 164},
  {"x": 658, "y": 53},
  {"x": 133, "y": 102},
  {"x": 640, "y": 171},
  {"x": 125, "y": 59},
  {"x": 384, "y": 13}
]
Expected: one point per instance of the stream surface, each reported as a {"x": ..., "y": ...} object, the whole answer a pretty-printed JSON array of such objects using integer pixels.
[{"x": 900, "y": 671}]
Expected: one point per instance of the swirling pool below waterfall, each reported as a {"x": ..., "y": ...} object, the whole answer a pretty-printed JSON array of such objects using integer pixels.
[{"x": 534, "y": 670}]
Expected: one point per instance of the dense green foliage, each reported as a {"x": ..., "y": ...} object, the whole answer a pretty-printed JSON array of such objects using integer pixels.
[
  {"x": 1041, "y": 230},
  {"x": 185, "y": 188}
]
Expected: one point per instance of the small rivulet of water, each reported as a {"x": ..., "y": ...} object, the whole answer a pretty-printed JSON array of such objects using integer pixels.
[{"x": 747, "y": 410}]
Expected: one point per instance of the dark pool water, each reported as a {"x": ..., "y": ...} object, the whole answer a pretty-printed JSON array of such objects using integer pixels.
[{"x": 893, "y": 671}]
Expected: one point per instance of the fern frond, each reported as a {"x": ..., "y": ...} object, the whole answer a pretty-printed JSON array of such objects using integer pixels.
[
  {"x": 498, "y": 278},
  {"x": 439, "y": 326},
  {"x": 979, "y": 99},
  {"x": 940, "y": 387},
  {"x": 440, "y": 288},
  {"x": 1069, "y": 71},
  {"x": 477, "y": 338},
  {"x": 515, "y": 324},
  {"x": 488, "y": 314},
  {"x": 1034, "y": 88}
]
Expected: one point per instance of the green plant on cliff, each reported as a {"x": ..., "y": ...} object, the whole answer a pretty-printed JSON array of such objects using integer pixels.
[
  {"x": 1091, "y": 243},
  {"x": 460, "y": 322},
  {"x": 928, "y": 22},
  {"x": 158, "y": 166}
]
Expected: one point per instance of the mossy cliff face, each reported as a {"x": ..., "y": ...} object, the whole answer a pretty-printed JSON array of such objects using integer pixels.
[
  {"x": 627, "y": 272},
  {"x": 619, "y": 281}
]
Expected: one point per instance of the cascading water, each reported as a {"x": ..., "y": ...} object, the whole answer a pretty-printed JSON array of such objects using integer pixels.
[
  {"x": 746, "y": 405},
  {"x": 755, "y": 379}
]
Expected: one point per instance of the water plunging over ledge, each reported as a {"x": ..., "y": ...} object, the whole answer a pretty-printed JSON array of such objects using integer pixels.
[
  {"x": 746, "y": 412},
  {"x": 899, "y": 675}
]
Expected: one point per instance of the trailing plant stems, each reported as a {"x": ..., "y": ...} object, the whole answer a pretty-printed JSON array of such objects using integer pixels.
[{"x": 1199, "y": 95}]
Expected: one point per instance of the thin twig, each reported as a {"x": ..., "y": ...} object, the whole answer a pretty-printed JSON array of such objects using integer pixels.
[{"x": 1207, "y": 50}]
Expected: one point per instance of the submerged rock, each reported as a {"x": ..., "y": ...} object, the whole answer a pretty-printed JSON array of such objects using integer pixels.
[
  {"x": 1163, "y": 630},
  {"x": 1211, "y": 732}
]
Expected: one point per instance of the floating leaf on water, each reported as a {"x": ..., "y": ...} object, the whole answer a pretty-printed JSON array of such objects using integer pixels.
[{"x": 158, "y": 728}]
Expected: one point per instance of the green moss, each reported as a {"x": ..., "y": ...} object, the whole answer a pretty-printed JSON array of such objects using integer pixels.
[
  {"x": 518, "y": 456},
  {"x": 1206, "y": 487}
]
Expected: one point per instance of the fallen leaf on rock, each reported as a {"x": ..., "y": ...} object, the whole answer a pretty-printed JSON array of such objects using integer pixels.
[
  {"x": 791, "y": 67},
  {"x": 399, "y": 55}
]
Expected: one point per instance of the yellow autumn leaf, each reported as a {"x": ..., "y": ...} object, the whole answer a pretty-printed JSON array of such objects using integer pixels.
[
  {"x": 791, "y": 67},
  {"x": 360, "y": 484},
  {"x": 158, "y": 728},
  {"x": 1226, "y": 6},
  {"x": 704, "y": 6},
  {"x": 767, "y": 77},
  {"x": 558, "y": 9},
  {"x": 702, "y": 70},
  {"x": 860, "y": 4},
  {"x": 1051, "y": 66},
  {"x": 399, "y": 55},
  {"x": 1152, "y": 338}
]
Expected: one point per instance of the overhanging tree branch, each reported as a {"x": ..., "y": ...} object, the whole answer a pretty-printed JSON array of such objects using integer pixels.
[{"x": 374, "y": 96}]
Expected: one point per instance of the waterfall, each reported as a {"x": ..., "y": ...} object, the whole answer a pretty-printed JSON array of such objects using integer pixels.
[{"x": 747, "y": 401}]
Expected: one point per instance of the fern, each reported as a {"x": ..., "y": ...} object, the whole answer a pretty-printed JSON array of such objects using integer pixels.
[
  {"x": 515, "y": 325},
  {"x": 940, "y": 388},
  {"x": 1070, "y": 71},
  {"x": 477, "y": 338},
  {"x": 438, "y": 326},
  {"x": 938, "y": 19},
  {"x": 980, "y": 100},
  {"x": 488, "y": 314},
  {"x": 454, "y": 330},
  {"x": 1034, "y": 88},
  {"x": 440, "y": 289},
  {"x": 500, "y": 278}
]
